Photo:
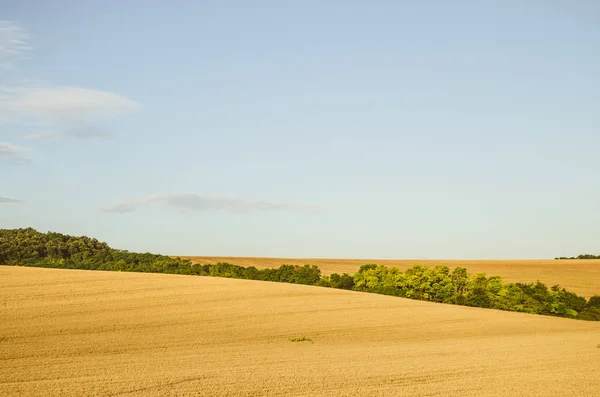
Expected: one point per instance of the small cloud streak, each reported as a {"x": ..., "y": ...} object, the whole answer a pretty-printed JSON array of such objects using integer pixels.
[
  {"x": 43, "y": 136},
  {"x": 79, "y": 130},
  {"x": 197, "y": 202},
  {"x": 8, "y": 200},
  {"x": 13, "y": 153},
  {"x": 13, "y": 44}
]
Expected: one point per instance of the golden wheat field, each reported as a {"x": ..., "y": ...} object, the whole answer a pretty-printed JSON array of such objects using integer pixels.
[
  {"x": 92, "y": 333},
  {"x": 579, "y": 276}
]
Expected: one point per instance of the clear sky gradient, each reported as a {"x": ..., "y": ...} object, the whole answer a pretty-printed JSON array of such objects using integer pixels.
[{"x": 373, "y": 129}]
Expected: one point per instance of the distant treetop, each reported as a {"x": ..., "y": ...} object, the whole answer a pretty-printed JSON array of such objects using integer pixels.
[{"x": 582, "y": 256}]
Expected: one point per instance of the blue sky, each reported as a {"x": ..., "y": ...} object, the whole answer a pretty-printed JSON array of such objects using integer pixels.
[{"x": 383, "y": 129}]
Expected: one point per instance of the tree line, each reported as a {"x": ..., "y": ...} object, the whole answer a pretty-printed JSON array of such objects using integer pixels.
[
  {"x": 440, "y": 284},
  {"x": 582, "y": 256},
  {"x": 28, "y": 247}
]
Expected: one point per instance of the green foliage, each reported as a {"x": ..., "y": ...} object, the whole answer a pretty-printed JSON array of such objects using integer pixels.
[
  {"x": 345, "y": 281},
  {"x": 594, "y": 302},
  {"x": 301, "y": 339},
  {"x": 590, "y": 314},
  {"x": 28, "y": 247},
  {"x": 439, "y": 284},
  {"x": 582, "y": 256}
]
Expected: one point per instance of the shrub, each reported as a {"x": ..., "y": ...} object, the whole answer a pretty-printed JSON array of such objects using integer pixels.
[
  {"x": 301, "y": 339},
  {"x": 590, "y": 314},
  {"x": 593, "y": 302}
]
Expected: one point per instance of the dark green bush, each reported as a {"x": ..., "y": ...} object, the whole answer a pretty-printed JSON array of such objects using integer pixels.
[
  {"x": 590, "y": 314},
  {"x": 593, "y": 302}
]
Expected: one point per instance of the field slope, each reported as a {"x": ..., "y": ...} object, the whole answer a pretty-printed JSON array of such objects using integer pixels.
[
  {"x": 94, "y": 333},
  {"x": 579, "y": 276}
]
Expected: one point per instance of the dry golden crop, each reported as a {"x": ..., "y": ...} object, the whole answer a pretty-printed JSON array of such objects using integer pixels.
[
  {"x": 579, "y": 276},
  {"x": 92, "y": 333}
]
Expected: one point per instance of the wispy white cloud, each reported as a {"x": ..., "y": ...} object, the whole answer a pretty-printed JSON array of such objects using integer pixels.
[
  {"x": 14, "y": 153},
  {"x": 68, "y": 112},
  {"x": 13, "y": 44},
  {"x": 60, "y": 103},
  {"x": 8, "y": 200},
  {"x": 74, "y": 111},
  {"x": 197, "y": 202}
]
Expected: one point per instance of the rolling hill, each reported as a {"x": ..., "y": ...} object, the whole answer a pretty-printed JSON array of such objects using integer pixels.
[{"x": 95, "y": 333}]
